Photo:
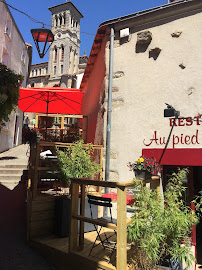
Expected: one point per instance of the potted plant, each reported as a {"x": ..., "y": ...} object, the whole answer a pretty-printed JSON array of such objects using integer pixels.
[
  {"x": 74, "y": 162},
  {"x": 145, "y": 167},
  {"x": 30, "y": 136},
  {"x": 161, "y": 229}
]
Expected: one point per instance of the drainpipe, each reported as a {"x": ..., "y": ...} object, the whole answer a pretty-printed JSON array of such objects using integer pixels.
[{"x": 109, "y": 109}]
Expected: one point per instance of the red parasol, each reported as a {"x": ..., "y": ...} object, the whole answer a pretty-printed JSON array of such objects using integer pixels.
[{"x": 50, "y": 100}]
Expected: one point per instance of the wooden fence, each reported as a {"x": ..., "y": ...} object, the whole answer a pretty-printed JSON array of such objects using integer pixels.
[
  {"x": 41, "y": 205},
  {"x": 122, "y": 221}
]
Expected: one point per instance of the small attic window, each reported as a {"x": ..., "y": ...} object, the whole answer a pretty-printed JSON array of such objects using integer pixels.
[
  {"x": 8, "y": 27},
  {"x": 23, "y": 57}
]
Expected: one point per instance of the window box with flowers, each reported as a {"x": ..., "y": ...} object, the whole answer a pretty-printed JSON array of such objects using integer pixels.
[{"x": 145, "y": 168}]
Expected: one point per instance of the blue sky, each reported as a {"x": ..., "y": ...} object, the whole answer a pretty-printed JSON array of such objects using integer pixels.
[{"x": 95, "y": 12}]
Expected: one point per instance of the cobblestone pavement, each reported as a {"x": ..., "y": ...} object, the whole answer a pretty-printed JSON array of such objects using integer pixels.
[{"x": 15, "y": 254}]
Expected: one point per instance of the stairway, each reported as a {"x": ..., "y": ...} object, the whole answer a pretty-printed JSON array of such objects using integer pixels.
[
  {"x": 13, "y": 166},
  {"x": 11, "y": 175}
]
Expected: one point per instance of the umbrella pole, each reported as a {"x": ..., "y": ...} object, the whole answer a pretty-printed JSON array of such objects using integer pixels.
[{"x": 47, "y": 117}]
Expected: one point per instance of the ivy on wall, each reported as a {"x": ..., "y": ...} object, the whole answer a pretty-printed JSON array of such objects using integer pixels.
[{"x": 9, "y": 91}]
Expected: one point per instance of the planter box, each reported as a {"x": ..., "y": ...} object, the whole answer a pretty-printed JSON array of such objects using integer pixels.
[{"x": 62, "y": 216}]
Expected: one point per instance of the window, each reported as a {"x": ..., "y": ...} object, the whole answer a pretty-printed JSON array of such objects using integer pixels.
[
  {"x": 56, "y": 20},
  {"x": 8, "y": 26},
  {"x": 62, "y": 53},
  {"x": 46, "y": 70},
  {"x": 40, "y": 71},
  {"x": 36, "y": 71},
  {"x": 56, "y": 54},
  {"x": 23, "y": 56},
  {"x": 60, "y": 18},
  {"x": 32, "y": 73},
  {"x": 61, "y": 69},
  {"x": 32, "y": 84},
  {"x": 54, "y": 70},
  {"x": 64, "y": 16}
]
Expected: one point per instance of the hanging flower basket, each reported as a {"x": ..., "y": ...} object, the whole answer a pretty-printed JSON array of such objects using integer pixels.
[
  {"x": 142, "y": 174},
  {"x": 145, "y": 168}
]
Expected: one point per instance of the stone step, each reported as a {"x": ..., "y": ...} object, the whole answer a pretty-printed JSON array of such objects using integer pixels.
[
  {"x": 10, "y": 177},
  {"x": 9, "y": 184},
  {"x": 17, "y": 166},
  {"x": 12, "y": 171}
]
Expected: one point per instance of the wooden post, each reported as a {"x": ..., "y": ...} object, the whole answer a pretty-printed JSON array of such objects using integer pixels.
[
  {"x": 37, "y": 121},
  {"x": 155, "y": 183},
  {"x": 35, "y": 182},
  {"x": 62, "y": 122},
  {"x": 121, "y": 253},
  {"x": 62, "y": 128},
  {"x": 74, "y": 222},
  {"x": 82, "y": 213}
]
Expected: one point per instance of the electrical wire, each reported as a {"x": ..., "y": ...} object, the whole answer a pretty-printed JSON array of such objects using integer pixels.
[
  {"x": 35, "y": 20},
  {"x": 31, "y": 18}
]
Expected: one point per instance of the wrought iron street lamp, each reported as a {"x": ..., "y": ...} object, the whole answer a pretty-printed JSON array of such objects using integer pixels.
[{"x": 42, "y": 35}]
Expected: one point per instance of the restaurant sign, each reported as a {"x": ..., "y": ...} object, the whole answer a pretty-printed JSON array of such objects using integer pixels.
[{"x": 183, "y": 139}]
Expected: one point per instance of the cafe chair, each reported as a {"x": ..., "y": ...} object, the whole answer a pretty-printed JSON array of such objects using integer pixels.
[{"x": 104, "y": 241}]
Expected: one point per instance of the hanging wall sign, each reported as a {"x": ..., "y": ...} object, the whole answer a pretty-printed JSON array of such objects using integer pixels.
[{"x": 184, "y": 138}]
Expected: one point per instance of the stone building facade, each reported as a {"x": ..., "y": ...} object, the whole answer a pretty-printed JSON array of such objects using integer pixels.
[
  {"x": 64, "y": 61},
  {"x": 16, "y": 54},
  {"x": 157, "y": 59}
]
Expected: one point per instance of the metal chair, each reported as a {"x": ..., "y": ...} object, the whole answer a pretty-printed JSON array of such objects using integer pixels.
[{"x": 106, "y": 202}]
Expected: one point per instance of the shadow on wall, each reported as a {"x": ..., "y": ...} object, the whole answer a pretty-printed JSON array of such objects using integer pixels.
[
  {"x": 8, "y": 158},
  {"x": 13, "y": 211}
]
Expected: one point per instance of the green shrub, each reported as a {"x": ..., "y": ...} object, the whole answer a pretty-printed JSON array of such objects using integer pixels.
[
  {"x": 159, "y": 227},
  {"x": 76, "y": 162},
  {"x": 9, "y": 91}
]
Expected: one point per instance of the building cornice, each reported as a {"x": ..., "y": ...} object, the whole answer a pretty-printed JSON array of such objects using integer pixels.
[{"x": 66, "y": 4}]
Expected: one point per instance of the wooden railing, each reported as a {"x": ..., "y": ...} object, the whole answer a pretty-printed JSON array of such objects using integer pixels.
[
  {"x": 60, "y": 135},
  {"x": 78, "y": 188}
]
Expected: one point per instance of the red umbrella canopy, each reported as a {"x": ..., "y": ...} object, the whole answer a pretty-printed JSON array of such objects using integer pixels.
[{"x": 50, "y": 100}]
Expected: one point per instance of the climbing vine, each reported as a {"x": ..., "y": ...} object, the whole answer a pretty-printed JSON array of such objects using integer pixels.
[{"x": 9, "y": 91}]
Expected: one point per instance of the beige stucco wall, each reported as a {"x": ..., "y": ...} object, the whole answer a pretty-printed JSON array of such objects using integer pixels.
[
  {"x": 17, "y": 60},
  {"x": 143, "y": 86}
]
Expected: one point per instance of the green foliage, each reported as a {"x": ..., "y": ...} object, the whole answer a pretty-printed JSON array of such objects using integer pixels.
[
  {"x": 76, "y": 162},
  {"x": 9, "y": 91},
  {"x": 160, "y": 227}
]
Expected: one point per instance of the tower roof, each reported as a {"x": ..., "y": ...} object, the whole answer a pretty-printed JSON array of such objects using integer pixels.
[{"x": 65, "y": 5}]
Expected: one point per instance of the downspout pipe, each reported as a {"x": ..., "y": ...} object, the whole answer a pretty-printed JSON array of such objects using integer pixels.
[{"x": 109, "y": 107}]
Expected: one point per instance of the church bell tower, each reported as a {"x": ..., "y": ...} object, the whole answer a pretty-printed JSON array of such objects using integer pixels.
[{"x": 64, "y": 51}]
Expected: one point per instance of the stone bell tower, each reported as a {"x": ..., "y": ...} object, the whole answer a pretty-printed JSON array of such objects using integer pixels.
[{"x": 64, "y": 52}]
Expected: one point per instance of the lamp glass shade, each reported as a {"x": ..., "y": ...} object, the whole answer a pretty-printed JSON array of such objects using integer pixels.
[{"x": 40, "y": 35}]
